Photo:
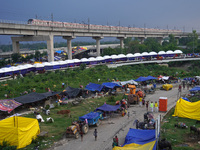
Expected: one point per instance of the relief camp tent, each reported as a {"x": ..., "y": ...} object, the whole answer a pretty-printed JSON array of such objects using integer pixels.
[
  {"x": 187, "y": 109},
  {"x": 19, "y": 131},
  {"x": 137, "y": 139}
]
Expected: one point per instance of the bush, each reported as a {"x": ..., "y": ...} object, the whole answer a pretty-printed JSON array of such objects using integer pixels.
[{"x": 6, "y": 146}]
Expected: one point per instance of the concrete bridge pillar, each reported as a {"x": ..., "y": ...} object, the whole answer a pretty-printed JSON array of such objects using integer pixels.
[
  {"x": 141, "y": 40},
  {"x": 15, "y": 46},
  {"x": 160, "y": 40},
  {"x": 49, "y": 39},
  {"x": 98, "y": 44},
  {"x": 69, "y": 45},
  {"x": 121, "y": 41},
  {"x": 50, "y": 48}
]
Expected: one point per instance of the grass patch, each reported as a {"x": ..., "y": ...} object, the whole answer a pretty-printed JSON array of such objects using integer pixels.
[
  {"x": 57, "y": 129},
  {"x": 179, "y": 136}
]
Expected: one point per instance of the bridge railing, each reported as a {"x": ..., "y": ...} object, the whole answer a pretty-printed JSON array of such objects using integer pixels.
[{"x": 13, "y": 21}]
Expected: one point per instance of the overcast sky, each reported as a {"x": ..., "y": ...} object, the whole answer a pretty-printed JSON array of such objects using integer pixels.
[{"x": 179, "y": 14}]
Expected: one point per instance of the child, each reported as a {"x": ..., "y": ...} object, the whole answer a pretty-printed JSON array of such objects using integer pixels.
[{"x": 140, "y": 101}]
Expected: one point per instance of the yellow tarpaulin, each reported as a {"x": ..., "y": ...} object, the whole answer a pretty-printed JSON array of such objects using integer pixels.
[
  {"x": 187, "y": 109},
  {"x": 167, "y": 86},
  {"x": 133, "y": 146},
  {"x": 19, "y": 131}
]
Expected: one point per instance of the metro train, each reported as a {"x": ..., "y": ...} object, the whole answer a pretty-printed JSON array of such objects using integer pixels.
[{"x": 91, "y": 26}]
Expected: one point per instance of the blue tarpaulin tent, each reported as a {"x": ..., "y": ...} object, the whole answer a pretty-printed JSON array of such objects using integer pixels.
[
  {"x": 106, "y": 107},
  {"x": 90, "y": 115},
  {"x": 111, "y": 85},
  {"x": 137, "y": 136},
  {"x": 196, "y": 88},
  {"x": 140, "y": 79},
  {"x": 94, "y": 87},
  {"x": 151, "y": 78}
]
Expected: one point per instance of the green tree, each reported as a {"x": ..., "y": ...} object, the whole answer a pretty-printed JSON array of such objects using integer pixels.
[
  {"x": 152, "y": 45},
  {"x": 193, "y": 40},
  {"x": 15, "y": 57}
]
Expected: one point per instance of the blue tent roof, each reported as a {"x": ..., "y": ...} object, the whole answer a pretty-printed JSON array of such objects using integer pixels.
[
  {"x": 185, "y": 98},
  {"x": 94, "y": 87},
  {"x": 111, "y": 85},
  {"x": 151, "y": 78},
  {"x": 140, "y": 79},
  {"x": 106, "y": 107},
  {"x": 196, "y": 88},
  {"x": 140, "y": 137},
  {"x": 91, "y": 115}
]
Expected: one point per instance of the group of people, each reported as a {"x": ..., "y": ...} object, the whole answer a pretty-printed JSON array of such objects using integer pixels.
[{"x": 153, "y": 106}]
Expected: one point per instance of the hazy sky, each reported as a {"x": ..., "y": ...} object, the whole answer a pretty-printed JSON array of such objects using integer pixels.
[{"x": 179, "y": 14}]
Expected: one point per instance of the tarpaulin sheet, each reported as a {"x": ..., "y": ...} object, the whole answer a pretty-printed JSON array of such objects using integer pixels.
[
  {"x": 167, "y": 86},
  {"x": 111, "y": 85},
  {"x": 47, "y": 94},
  {"x": 94, "y": 87},
  {"x": 106, "y": 107},
  {"x": 196, "y": 88},
  {"x": 71, "y": 92},
  {"x": 30, "y": 98},
  {"x": 19, "y": 131},
  {"x": 137, "y": 136},
  {"x": 187, "y": 109},
  {"x": 133, "y": 146},
  {"x": 151, "y": 77},
  {"x": 140, "y": 79},
  {"x": 91, "y": 115},
  {"x": 8, "y": 105},
  {"x": 128, "y": 82}
]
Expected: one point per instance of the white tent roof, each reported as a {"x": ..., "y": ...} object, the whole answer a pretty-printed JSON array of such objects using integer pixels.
[
  {"x": 145, "y": 54},
  {"x": 152, "y": 53},
  {"x": 169, "y": 52},
  {"x": 121, "y": 55},
  {"x": 129, "y": 55},
  {"x": 100, "y": 58},
  {"x": 13, "y": 68},
  {"x": 161, "y": 52},
  {"x": 84, "y": 60},
  {"x": 114, "y": 56},
  {"x": 76, "y": 60},
  {"x": 69, "y": 61},
  {"x": 92, "y": 59},
  {"x": 137, "y": 54},
  {"x": 38, "y": 65},
  {"x": 62, "y": 62},
  {"x": 28, "y": 65},
  {"x": 21, "y": 67},
  {"x": 178, "y": 52},
  {"x": 106, "y": 57},
  {"x": 5, "y": 70}
]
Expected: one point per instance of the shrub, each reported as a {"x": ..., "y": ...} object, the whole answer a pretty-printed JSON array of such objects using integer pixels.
[
  {"x": 6, "y": 146},
  {"x": 111, "y": 99}
]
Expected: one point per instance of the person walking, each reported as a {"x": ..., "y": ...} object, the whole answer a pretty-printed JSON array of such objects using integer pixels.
[
  {"x": 156, "y": 106},
  {"x": 147, "y": 105},
  {"x": 151, "y": 105},
  {"x": 140, "y": 101},
  {"x": 128, "y": 115},
  {"x": 95, "y": 134},
  {"x": 188, "y": 85}
]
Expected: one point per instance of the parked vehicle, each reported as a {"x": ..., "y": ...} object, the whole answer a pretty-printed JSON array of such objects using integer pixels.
[
  {"x": 76, "y": 128},
  {"x": 93, "y": 118}
]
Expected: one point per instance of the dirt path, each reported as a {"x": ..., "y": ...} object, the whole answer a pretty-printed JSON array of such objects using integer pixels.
[{"x": 116, "y": 126}]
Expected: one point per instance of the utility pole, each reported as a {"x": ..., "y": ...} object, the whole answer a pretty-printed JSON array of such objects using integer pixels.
[
  {"x": 52, "y": 17},
  {"x": 88, "y": 23}
]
